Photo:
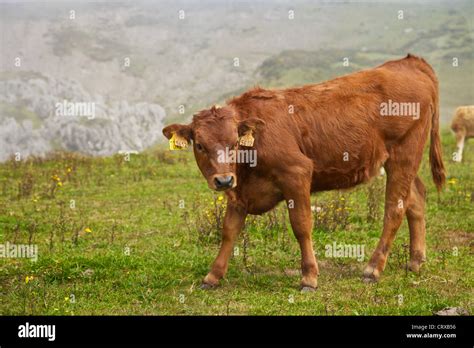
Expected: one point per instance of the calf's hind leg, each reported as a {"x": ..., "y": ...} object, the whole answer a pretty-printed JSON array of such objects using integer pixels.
[
  {"x": 403, "y": 191},
  {"x": 416, "y": 224},
  {"x": 396, "y": 201}
]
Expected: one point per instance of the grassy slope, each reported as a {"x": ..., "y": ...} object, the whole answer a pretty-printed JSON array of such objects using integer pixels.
[{"x": 136, "y": 205}]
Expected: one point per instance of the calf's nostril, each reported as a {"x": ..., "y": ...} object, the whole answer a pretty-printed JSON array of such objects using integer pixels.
[{"x": 223, "y": 181}]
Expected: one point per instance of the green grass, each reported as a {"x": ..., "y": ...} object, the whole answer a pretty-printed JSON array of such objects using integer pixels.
[{"x": 135, "y": 206}]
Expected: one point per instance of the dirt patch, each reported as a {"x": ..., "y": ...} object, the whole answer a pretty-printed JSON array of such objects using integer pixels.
[{"x": 455, "y": 238}]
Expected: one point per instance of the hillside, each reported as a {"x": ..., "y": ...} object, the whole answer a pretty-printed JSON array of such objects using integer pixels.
[{"x": 144, "y": 67}]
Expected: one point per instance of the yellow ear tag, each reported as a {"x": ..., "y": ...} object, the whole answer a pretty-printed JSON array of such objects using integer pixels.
[
  {"x": 177, "y": 142},
  {"x": 247, "y": 139}
]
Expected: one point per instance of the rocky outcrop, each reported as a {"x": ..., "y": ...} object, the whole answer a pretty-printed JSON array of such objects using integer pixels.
[{"x": 34, "y": 121}]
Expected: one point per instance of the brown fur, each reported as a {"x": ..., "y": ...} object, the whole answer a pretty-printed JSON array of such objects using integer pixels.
[{"x": 335, "y": 139}]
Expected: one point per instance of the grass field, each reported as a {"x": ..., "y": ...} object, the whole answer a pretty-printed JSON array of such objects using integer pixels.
[{"x": 137, "y": 237}]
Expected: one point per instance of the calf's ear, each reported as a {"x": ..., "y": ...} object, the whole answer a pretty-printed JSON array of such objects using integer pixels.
[
  {"x": 181, "y": 130},
  {"x": 250, "y": 124}
]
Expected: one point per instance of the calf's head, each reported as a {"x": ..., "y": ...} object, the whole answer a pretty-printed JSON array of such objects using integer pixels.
[{"x": 213, "y": 132}]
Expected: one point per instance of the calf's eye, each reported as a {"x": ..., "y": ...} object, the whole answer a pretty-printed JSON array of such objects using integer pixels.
[{"x": 199, "y": 147}]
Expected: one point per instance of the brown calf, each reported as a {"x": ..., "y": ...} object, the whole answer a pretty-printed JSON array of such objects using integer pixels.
[{"x": 327, "y": 136}]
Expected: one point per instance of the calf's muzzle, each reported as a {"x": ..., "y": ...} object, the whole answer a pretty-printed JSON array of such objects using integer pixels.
[{"x": 223, "y": 182}]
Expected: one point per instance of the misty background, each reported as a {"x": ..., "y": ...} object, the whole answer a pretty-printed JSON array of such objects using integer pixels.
[{"x": 144, "y": 64}]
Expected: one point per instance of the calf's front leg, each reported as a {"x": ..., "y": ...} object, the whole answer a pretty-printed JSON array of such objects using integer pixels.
[
  {"x": 233, "y": 222},
  {"x": 301, "y": 223},
  {"x": 301, "y": 219},
  {"x": 460, "y": 138}
]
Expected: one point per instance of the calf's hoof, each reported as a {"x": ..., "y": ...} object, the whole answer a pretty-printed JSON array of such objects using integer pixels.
[
  {"x": 305, "y": 289},
  {"x": 310, "y": 282},
  {"x": 371, "y": 274},
  {"x": 414, "y": 266},
  {"x": 416, "y": 260},
  {"x": 209, "y": 282},
  {"x": 206, "y": 286}
]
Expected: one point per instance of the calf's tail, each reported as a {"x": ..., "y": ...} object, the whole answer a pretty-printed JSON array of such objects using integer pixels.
[{"x": 436, "y": 159}]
